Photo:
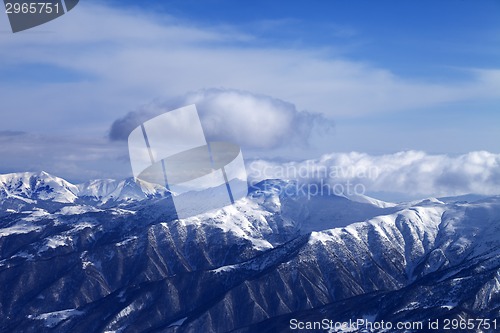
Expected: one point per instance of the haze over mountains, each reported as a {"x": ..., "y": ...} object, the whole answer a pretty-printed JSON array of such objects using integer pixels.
[{"x": 108, "y": 256}]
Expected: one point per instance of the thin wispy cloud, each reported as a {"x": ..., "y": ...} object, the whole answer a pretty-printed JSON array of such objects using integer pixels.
[
  {"x": 74, "y": 158},
  {"x": 127, "y": 57}
]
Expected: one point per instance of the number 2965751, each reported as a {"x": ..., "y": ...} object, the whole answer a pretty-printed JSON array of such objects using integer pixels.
[{"x": 32, "y": 8}]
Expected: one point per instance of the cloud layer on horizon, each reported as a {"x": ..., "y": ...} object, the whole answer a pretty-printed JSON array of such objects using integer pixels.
[
  {"x": 409, "y": 173},
  {"x": 73, "y": 158},
  {"x": 413, "y": 173}
]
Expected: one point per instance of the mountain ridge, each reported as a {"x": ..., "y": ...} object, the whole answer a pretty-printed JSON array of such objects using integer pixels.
[{"x": 91, "y": 266}]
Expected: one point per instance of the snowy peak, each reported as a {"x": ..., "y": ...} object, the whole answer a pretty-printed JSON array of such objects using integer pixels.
[
  {"x": 37, "y": 186},
  {"x": 369, "y": 200},
  {"x": 31, "y": 186},
  {"x": 106, "y": 190}
]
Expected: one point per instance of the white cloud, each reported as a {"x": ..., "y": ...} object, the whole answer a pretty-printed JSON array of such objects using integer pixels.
[
  {"x": 411, "y": 172},
  {"x": 252, "y": 121}
]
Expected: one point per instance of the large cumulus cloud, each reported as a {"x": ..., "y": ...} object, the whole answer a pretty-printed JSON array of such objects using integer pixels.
[{"x": 251, "y": 120}]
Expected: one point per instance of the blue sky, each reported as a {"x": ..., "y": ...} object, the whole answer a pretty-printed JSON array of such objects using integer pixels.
[
  {"x": 333, "y": 76},
  {"x": 407, "y": 36}
]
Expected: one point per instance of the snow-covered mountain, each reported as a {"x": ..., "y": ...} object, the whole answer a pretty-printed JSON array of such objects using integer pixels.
[
  {"x": 20, "y": 191},
  {"x": 106, "y": 190},
  {"x": 29, "y": 186},
  {"x": 116, "y": 260}
]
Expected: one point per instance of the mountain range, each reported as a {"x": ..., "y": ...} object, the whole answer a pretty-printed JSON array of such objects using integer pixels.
[{"x": 111, "y": 256}]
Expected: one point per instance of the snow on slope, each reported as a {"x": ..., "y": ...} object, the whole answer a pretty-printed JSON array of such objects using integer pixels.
[
  {"x": 244, "y": 220},
  {"x": 429, "y": 237},
  {"x": 51, "y": 319}
]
